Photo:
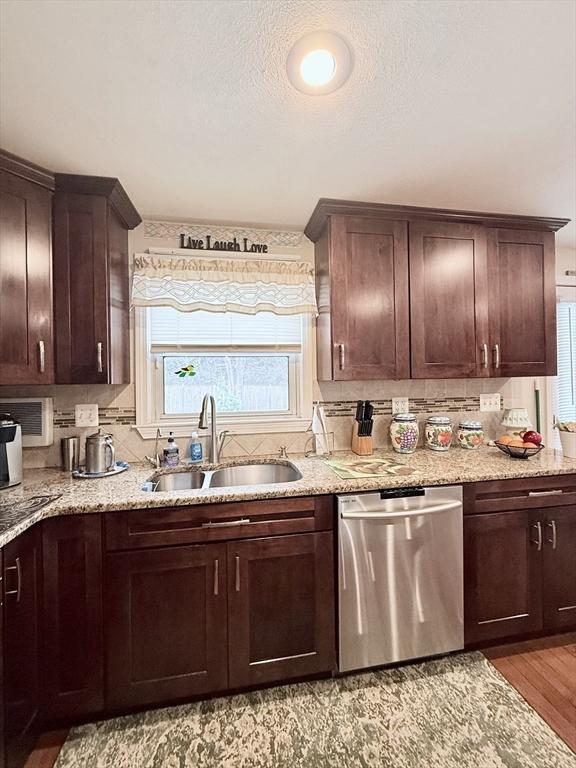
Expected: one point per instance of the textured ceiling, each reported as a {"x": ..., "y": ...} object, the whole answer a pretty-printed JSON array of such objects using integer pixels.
[{"x": 456, "y": 104}]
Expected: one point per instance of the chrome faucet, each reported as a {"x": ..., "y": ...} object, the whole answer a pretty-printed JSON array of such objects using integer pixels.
[{"x": 216, "y": 441}]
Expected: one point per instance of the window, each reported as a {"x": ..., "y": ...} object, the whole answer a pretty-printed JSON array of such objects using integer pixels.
[
  {"x": 564, "y": 389},
  {"x": 566, "y": 380},
  {"x": 254, "y": 366}
]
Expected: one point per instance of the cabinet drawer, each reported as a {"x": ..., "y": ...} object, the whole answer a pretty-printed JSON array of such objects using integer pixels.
[
  {"x": 217, "y": 522},
  {"x": 524, "y": 493}
]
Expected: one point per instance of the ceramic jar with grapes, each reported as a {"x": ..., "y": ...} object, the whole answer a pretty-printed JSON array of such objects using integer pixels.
[{"x": 404, "y": 432}]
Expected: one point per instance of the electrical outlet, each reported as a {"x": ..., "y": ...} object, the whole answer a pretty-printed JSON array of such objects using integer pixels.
[
  {"x": 490, "y": 402},
  {"x": 86, "y": 415},
  {"x": 400, "y": 405}
]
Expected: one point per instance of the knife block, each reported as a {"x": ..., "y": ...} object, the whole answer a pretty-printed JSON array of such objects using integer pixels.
[{"x": 362, "y": 446}]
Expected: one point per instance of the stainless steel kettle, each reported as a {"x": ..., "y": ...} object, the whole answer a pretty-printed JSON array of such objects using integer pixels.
[{"x": 100, "y": 453}]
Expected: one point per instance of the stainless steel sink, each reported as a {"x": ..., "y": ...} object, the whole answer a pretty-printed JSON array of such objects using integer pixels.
[
  {"x": 254, "y": 474},
  {"x": 179, "y": 481},
  {"x": 226, "y": 477}
]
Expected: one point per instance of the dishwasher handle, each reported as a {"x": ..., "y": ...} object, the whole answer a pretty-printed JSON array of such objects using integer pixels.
[
  {"x": 432, "y": 509},
  {"x": 401, "y": 493}
]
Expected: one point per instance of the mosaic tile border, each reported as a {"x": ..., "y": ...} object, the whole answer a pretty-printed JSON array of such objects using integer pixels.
[
  {"x": 127, "y": 415},
  {"x": 417, "y": 405},
  {"x": 106, "y": 417}
]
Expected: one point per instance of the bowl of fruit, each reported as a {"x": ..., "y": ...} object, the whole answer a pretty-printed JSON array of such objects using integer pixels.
[{"x": 528, "y": 444}]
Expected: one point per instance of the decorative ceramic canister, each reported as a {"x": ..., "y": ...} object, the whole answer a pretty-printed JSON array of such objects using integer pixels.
[
  {"x": 470, "y": 434},
  {"x": 438, "y": 433},
  {"x": 404, "y": 432}
]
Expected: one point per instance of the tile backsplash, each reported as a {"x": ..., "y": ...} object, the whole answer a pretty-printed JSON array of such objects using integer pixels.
[{"x": 454, "y": 398}]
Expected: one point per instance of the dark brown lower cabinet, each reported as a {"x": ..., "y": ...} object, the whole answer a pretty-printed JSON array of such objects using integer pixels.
[
  {"x": 280, "y": 608},
  {"x": 166, "y": 634},
  {"x": 502, "y": 574},
  {"x": 2, "y": 761},
  {"x": 22, "y": 567},
  {"x": 559, "y": 552},
  {"x": 73, "y": 653}
]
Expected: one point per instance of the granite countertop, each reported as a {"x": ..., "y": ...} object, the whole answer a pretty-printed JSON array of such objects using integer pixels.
[{"x": 124, "y": 491}]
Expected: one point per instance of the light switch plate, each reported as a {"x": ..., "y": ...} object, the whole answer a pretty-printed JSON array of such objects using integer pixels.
[
  {"x": 86, "y": 415},
  {"x": 490, "y": 402},
  {"x": 400, "y": 405}
]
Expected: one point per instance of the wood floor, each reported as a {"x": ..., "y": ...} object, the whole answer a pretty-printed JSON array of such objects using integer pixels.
[{"x": 544, "y": 673}]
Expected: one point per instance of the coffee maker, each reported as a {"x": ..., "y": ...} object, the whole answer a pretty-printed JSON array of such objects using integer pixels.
[{"x": 10, "y": 451}]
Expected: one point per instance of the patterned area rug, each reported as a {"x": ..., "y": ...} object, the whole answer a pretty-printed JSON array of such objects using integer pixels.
[{"x": 456, "y": 712}]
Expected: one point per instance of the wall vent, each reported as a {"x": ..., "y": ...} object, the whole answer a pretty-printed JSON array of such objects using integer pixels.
[{"x": 36, "y": 417}]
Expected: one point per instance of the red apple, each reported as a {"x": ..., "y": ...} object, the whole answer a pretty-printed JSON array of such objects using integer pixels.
[{"x": 532, "y": 437}]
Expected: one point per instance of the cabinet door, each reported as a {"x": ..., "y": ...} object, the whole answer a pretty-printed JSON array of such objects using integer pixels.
[
  {"x": 560, "y": 568},
  {"x": 166, "y": 624},
  {"x": 522, "y": 303},
  {"x": 502, "y": 574},
  {"x": 448, "y": 300},
  {"x": 80, "y": 289},
  {"x": 369, "y": 298},
  {"x": 281, "y": 608},
  {"x": 22, "y": 566},
  {"x": 73, "y": 665},
  {"x": 2, "y": 737},
  {"x": 26, "y": 355}
]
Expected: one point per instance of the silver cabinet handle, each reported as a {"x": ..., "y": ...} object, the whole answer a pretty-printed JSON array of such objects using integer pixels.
[
  {"x": 496, "y": 355},
  {"x": 237, "y": 574},
  {"x": 553, "y": 540},
  {"x": 342, "y": 356},
  {"x": 484, "y": 355},
  {"x": 17, "y": 591},
  {"x": 538, "y": 541},
  {"x": 216, "y": 567},
  {"x": 41, "y": 357},
  {"x": 99, "y": 357},
  {"x": 226, "y": 523},
  {"x": 556, "y": 492}
]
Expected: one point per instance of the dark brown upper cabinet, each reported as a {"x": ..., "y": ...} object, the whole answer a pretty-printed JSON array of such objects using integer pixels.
[
  {"x": 92, "y": 216},
  {"x": 26, "y": 348},
  {"x": 448, "y": 301},
  {"x": 362, "y": 289},
  {"x": 522, "y": 303},
  {"x": 480, "y": 295}
]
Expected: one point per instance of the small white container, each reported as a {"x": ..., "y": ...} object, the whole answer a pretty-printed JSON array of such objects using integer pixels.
[{"x": 568, "y": 440}]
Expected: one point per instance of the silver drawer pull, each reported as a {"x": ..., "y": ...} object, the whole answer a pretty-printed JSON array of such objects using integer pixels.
[
  {"x": 216, "y": 567},
  {"x": 538, "y": 541},
  {"x": 41, "y": 357},
  {"x": 557, "y": 492},
  {"x": 18, "y": 570},
  {"x": 496, "y": 355},
  {"x": 237, "y": 574},
  {"x": 484, "y": 355},
  {"x": 226, "y": 523},
  {"x": 99, "y": 365},
  {"x": 554, "y": 539}
]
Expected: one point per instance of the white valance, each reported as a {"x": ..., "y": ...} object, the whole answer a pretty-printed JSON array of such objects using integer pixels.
[{"x": 191, "y": 283}]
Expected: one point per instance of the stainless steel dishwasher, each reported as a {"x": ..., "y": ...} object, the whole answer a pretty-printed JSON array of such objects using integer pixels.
[{"x": 400, "y": 575}]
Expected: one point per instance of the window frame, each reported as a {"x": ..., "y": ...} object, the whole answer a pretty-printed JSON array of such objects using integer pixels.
[{"x": 149, "y": 383}]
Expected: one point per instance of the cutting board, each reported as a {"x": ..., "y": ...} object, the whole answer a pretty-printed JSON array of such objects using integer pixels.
[{"x": 352, "y": 469}]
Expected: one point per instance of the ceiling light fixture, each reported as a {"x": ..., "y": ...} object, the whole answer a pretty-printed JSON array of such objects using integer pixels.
[{"x": 319, "y": 63}]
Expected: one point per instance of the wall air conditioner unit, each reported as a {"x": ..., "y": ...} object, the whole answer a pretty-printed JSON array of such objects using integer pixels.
[{"x": 36, "y": 417}]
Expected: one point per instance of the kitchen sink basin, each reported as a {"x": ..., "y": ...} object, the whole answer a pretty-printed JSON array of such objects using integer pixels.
[
  {"x": 180, "y": 481},
  {"x": 254, "y": 474},
  {"x": 226, "y": 477}
]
